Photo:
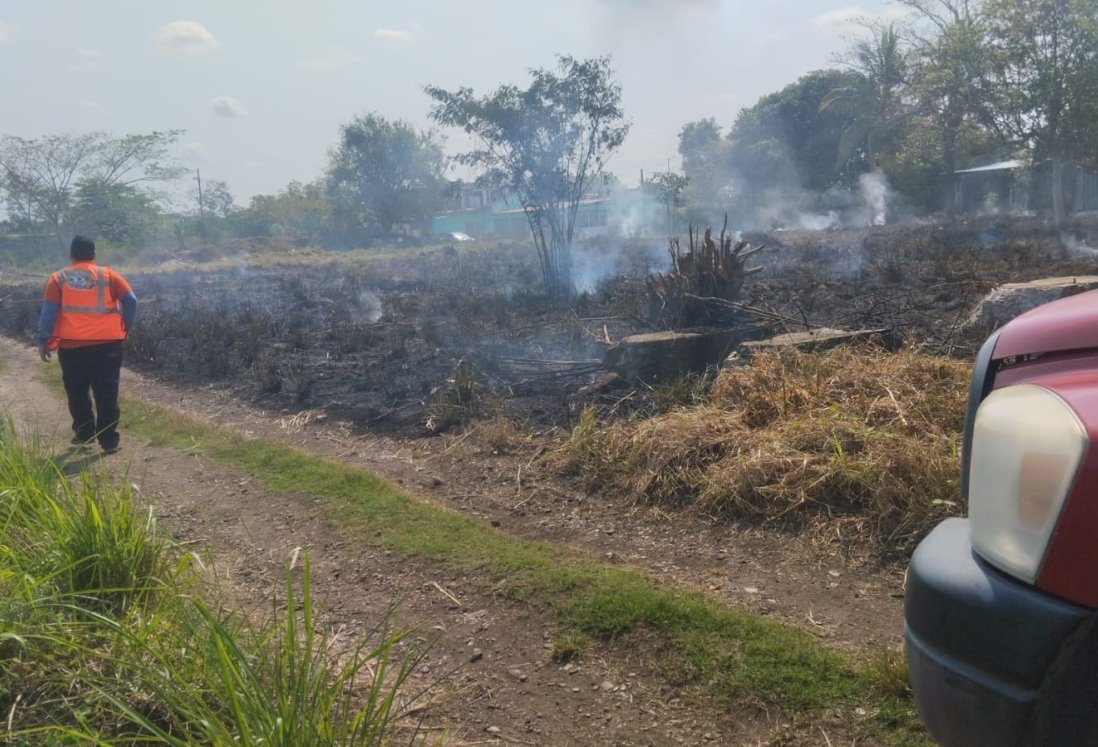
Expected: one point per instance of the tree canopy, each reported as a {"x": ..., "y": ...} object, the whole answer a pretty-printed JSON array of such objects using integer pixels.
[
  {"x": 384, "y": 172},
  {"x": 1045, "y": 61},
  {"x": 705, "y": 163},
  {"x": 958, "y": 83},
  {"x": 46, "y": 180},
  {"x": 544, "y": 145}
]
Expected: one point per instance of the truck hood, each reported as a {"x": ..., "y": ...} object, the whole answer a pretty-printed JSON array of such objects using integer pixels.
[{"x": 1066, "y": 324}]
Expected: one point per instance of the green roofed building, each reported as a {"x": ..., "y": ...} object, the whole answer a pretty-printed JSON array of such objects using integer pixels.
[{"x": 487, "y": 215}]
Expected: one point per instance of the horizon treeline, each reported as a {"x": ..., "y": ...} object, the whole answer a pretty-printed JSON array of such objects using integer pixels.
[{"x": 965, "y": 83}]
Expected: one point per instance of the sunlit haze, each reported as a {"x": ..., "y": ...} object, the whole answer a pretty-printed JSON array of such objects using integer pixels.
[{"x": 262, "y": 88}]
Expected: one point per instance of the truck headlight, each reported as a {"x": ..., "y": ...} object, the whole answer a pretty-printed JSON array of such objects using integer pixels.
[{"x": 1027, "y": 446}]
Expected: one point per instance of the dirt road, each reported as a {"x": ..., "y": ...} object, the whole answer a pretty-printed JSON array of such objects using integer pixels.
[{"x": 506, "y": 688}]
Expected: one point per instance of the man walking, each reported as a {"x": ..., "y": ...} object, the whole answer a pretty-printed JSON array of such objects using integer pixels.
[{"x": 86, "y": 311}]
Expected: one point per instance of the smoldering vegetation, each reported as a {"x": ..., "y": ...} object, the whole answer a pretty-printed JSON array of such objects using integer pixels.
[
  {"x": 416, "y": 343},
  {"x": 380, "y": 340}
]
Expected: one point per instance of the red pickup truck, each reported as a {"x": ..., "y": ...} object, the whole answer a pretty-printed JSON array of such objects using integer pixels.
[{"x": 1001, "y": 608}]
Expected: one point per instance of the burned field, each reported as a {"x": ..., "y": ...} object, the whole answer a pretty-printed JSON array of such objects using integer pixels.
[
  {"x": 420, "y": 343},
  {"x": 791, "y": 486},
  {"x": 376, "y": 339}
]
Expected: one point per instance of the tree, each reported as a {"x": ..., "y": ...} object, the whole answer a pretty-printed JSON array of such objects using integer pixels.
[
  {"x": 872, "y": 97},
  {"x": 951, "y": 80},
  {"x": 705, "y": 163},
  {"x": 787, "y": 139},
  {"x": 545, "y": 145},
  {"x": 217, "y": 200},
  {"x": 40, "y": 177},
  {"x": 300, "y": 211},
  {"x": 385, "y": 172},
  {"x": 132, "y": 159},
  {"x": 118, "y": 212},
  {"x": 1045, "y": 60},
  {"x": 668, "y": 188}
]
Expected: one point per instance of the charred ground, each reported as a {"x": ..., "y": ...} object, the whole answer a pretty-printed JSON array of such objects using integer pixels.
[
  {"x": 413, "y": 342},
  {"x": 396, "y": 342},
  {"x": 353, "y": 356}
]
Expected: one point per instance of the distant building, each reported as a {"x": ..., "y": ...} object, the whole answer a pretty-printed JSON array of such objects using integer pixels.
[
  {"x": 487, "y": 215},
  {"x": 994, "y": 187},
  {"x": 1012, "y": 187}
]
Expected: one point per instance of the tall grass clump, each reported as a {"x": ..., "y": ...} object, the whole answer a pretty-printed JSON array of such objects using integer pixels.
[
  {"x": 281, "y": 683},
  {"x": 853, "y": 440},
  {"x": 108, "y": 636}
]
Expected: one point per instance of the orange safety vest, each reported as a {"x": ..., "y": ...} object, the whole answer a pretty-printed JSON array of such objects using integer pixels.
[{"x": 89, "y": 311}]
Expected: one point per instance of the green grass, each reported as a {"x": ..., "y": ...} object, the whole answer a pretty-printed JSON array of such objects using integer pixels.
[
  {"x": 106, "y": 636},
  {"x": 733, "y": 658}
]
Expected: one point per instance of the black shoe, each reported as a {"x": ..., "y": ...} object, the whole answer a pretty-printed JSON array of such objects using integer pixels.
[
  {"x": 81, "y": 441},
  {"x": 111, "y": 449}
]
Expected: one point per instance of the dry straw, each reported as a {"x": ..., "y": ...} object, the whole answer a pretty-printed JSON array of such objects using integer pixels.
[{"x": 855, "y": 442}]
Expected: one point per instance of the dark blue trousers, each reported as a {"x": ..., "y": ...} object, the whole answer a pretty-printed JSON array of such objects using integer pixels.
[{"x": 93, "y": 369}]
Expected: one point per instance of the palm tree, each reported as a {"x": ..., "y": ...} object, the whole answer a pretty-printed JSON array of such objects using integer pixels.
[{"x": 873, "y": 96}]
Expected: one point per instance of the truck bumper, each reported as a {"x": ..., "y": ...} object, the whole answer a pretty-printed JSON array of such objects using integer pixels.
[{"x": 980, "y": 644}]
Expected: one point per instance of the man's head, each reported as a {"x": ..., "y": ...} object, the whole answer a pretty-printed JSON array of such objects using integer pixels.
[{"x": 82, "y": 248}]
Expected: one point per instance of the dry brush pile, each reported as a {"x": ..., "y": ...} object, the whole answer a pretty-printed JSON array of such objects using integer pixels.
[
  {"x": 854, "y": 443},
  {"x": 704, "y": 282}
]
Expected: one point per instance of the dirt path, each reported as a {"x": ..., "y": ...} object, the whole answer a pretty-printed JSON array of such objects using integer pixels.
[{"x": 506, "y": 690}]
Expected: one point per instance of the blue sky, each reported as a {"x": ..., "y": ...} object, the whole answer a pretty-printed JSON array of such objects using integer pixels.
[{"x": 261, "y": 88}]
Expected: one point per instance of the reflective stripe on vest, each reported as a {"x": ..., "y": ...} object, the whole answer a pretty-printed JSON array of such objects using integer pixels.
[
  {"x": 80, "y": 287},
  {"x": 101, "y": 285}
]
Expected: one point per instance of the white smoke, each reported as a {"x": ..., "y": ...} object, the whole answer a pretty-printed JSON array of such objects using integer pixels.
[
  {"x": 1077, "y": 246},
  {"x": 368, "y": 309},
  {"x": 874, "y": 190},
  {"x": 810, "y": 222},
  {"x": 594, "y": 262}
]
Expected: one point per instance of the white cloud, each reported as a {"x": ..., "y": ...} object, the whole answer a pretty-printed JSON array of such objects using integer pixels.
[
  {"x": 87, "y": 60},
  {"x": 5, "y": 33},
  {"x": 336, "y": 58},
  {"x": 393, "y": 35},
  {"x": 185, "y": 37},
  {"x": 227, "y": 106},
  {"x": 88, "y": 106}
]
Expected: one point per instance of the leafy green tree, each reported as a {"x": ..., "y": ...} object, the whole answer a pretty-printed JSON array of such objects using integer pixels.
[
  {"x": 385, "y": 173},
  {"x": 299, "y": 211},
  {"x": 706, "y": 165},
  {"x": 545, "y": 145},
  {"x": 121, "y": 213},
  {"x": 40, "y": 177},
  {"x": 786, "y": 138},
  {"x": 951, "y": 81},
  {"x": 695, "y": 141},
  {"x": 216, "y": 199},
  {"x": 873, "y": 96},
  {"x": 134, "y": 159},
  {"x": 1045, "y": 60}
]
